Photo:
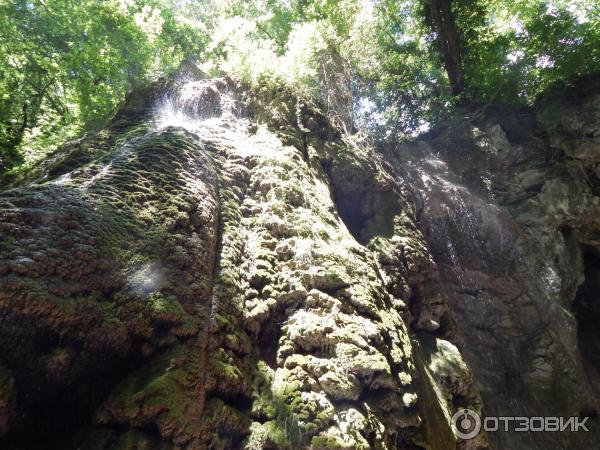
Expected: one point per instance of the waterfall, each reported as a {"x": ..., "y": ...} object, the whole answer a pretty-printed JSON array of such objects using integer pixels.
[{"x": 202, "y": 107}]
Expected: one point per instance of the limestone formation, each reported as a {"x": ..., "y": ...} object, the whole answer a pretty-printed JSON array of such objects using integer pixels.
[{"x": 222, "y": 268}]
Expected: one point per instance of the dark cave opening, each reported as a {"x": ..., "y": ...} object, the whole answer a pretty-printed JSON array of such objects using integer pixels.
[
  {"x": 366, "y": 211},
  {"x": 349, "y": 206},
  {"x": 587, "y": 311},
  {"x": 55, "y": 414}
]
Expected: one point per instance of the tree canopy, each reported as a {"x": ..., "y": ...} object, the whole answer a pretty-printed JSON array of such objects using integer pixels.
[{"x": 389, "y": 67}]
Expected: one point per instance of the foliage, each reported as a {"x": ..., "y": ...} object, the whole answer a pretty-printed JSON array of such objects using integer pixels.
[
  {"x": 523, "y": 47},
  {"x": 408, "y": 86},
  {"x": 511, "y": 51},
  {"x": 68, "y": 63},
  {"x": 377, "y": 64},
  {"x": 373, "y": 64}
]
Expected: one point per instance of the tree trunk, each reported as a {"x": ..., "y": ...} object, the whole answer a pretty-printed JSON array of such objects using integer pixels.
[{"x": 447, "y": 36}]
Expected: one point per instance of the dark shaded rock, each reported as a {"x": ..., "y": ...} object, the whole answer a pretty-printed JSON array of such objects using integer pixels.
[{"x": 220, "y": 269}]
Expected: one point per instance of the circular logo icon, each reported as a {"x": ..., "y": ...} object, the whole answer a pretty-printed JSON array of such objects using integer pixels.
[{"x": 466, "y": 423}]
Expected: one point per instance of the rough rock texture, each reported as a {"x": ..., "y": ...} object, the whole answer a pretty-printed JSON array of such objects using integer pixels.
[
  {"x": 221, "y": 268},
  {"x": 510, "y": 211}
]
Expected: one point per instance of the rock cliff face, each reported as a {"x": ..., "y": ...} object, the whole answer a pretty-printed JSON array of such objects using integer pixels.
[{"x": 221, "y": 268}]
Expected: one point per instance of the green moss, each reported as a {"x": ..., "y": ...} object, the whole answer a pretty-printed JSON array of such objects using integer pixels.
[
  {"x": 283, "y": 426},
  {"x": 160, "y": 385},
  {"x": 232, "y": 340},
  {"x": 228, "y": 422},
  {"x": 165, "y": 304},
  {"x": 324, "y": 442},
  {"x": 262, "y": 404},
  {"x": 7, "y": 386},
  {"x": 225, "y": 370},
  {"x": 222, "y": 321}
]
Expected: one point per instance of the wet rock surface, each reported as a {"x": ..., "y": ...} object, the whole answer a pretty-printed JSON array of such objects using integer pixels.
[
  {"x": 221, "y": 268},
  {"x": 510, "y": 218}
]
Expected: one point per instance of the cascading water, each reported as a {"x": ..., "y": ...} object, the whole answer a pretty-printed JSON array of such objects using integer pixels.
[
  {"x": 206, "y": 108},
  {"x": 506, "y": 295},
  {"x": 184, "y": 278}
]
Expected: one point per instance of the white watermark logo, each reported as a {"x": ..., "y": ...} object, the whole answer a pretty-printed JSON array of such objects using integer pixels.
[{"x": 467, "y": 424}]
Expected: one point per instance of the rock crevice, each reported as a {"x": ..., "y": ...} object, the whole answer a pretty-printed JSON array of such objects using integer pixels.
[{"x": 222, "y": 268}]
